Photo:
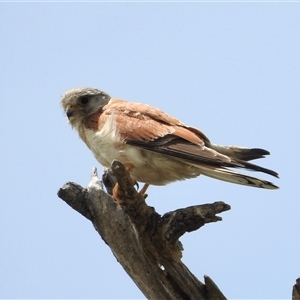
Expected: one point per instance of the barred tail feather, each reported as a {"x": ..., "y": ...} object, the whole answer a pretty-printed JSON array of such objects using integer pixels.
[{"x": 234, "y": 177}]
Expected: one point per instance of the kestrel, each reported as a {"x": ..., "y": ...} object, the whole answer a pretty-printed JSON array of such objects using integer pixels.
[{"x": 153, "y": 146}]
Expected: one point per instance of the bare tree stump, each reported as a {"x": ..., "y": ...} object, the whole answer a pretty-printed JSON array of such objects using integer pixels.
[{"x": 145, "y": 243}]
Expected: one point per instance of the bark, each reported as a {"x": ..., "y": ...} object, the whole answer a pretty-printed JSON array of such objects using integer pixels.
[
  {"x": 145, "y": 243},
  {"x": 296, "y": 290}
]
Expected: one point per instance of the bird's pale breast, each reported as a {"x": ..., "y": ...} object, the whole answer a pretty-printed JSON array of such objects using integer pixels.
[{"x": 147, "y": 166}]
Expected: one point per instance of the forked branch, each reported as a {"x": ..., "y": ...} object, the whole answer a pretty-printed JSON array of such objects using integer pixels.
[{"x": 144, "y": 242}]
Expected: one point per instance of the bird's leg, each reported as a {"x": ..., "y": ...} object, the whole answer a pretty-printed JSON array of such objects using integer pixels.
[
  {"x": 116, "y": 189},
  {"x": 128, "y": 168},
  {"x": 143, "y": 190}
]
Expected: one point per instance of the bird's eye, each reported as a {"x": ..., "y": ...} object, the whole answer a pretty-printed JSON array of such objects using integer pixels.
[{"x": 84, "y": 100}]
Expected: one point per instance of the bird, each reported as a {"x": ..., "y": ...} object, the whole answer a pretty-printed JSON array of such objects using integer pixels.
[{"x": 155, "y": 147}]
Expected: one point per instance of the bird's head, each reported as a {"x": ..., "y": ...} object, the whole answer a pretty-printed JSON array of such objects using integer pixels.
[{"x": 80, "y": 103}]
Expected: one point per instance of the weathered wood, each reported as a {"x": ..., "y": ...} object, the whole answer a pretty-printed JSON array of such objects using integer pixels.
[
  {"x": 296, "y": 290},
  {"x": 212, "y": 289},
  {"x": 145, "y": 243},
  {"x": 175, "y": 224}
]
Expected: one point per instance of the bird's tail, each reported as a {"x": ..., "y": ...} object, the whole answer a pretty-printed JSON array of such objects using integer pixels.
[
  {"x": 234, "y": 177},
  {"x": 241, "y": 153}
]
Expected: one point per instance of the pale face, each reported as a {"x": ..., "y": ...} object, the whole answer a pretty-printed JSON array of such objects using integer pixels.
[{"x": 80, "y": 103}]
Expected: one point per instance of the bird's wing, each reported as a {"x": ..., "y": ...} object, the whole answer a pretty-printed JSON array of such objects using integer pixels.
[
  {"x": 143, "y": 123},
  {"x": 151, "y": 129}
]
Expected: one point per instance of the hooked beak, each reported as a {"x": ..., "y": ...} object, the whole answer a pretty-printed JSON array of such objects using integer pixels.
[{"x": 69, "y": 112}]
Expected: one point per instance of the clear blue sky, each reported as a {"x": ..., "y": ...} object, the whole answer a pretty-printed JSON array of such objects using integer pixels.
[{"x": 230, "y": 69}]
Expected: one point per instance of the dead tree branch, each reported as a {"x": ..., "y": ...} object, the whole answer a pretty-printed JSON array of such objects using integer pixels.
[
  {"x": 296, "y": 290},
  {"x": 145, "y": 243}
]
